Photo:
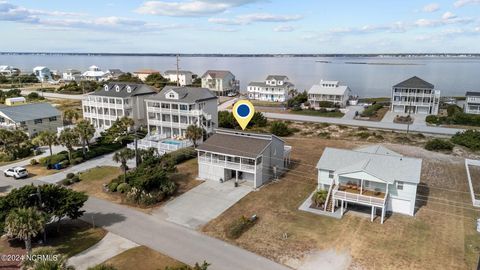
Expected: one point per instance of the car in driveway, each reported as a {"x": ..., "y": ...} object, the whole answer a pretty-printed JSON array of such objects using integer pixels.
[{"x": 16, "y": 172}]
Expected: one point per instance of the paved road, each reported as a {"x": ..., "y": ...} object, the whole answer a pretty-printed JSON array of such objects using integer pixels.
[
  {"x": 369, "y": 124},
  {"x": 226, "y": 104},
  {"x": 176, "y": 241}
]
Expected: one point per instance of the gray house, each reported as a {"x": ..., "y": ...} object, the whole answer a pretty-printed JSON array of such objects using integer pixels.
[
  {"x": 472, "y": 103},
  {"x": 250, "y": 158},
  {"x": 372, "y": 176},
  {"x": 415, "y": 96},
  {"x": 30, "y": 118}
]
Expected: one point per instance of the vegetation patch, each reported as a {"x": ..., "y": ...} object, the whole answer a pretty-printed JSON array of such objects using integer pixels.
[
  {"x": 439, "y": 145},
  {"x": 469, "y": 138},
  {"x": 455, "y": 116},
  {"x": 322, "y": 112},
  {"x": 239, "y": 226},
  {"x": 371, "y": 110}
]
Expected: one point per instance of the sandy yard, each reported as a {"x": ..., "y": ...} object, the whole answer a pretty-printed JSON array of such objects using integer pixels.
[{"x": 441, "y": 236}]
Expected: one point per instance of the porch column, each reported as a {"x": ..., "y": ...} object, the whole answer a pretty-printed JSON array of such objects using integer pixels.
[
  {"x": 383, "y": 214},
  {"x": 341, "y": 208},
  {"x": 371, "y": 218},
  {"x": 361, "y": 186},
  {"x": 236, "y": 176},
  {"x": 333, "y": 205}
]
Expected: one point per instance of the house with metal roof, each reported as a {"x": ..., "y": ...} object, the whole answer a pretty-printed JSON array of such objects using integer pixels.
[
  {"x": 94, "y": 73},
  {"x": 183, "y": 77},
  {"x": 9, "y": 71},
  {"x": 171, "y": 111},
  {"x": 330, "y": 91},
  {"x": 116, "y": 100},
  {"x": 472, "y": 103},
  {"x": 243, "y": 157},
  {"x": 275, "y": 88},
  {"x": 415, "y": 96},
  {"x": 371, "y": 176},
  {"x": 220, "y": 82},
  {"x": 30, "y": 118}
]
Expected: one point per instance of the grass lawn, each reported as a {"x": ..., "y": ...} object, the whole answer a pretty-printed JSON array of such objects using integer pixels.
[
  {"x": 68, "y": 104},
  {"x": 92, "y": 182},
  {"x": 142, "y": 258},
  {"x": 441, "y": 236},
  {"x": 186, "y": 175},
  {"x": 319, "y": 113},
  {"x": 73, "y": 237},
  {"x": 40, "y": 170},
  {"x": 266, "y": 103}
]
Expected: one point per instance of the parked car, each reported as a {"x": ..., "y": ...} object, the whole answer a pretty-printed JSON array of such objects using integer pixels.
[{"x": 16, "y": 172}]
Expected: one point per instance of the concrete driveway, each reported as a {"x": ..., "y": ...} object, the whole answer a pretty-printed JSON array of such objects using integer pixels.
[{"x": 202, "y": 203}]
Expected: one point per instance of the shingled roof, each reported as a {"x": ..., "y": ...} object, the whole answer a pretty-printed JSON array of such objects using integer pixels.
[
  {"x": 415, "y": 82},
  {"x": 123, "y": 90},
  {"x": 185, "y": 94}
]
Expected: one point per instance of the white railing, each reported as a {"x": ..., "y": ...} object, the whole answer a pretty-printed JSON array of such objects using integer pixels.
[
  {"x": 472, "y": 162},
  {"x": 353, "y": 197},
  {"x": 228, "y": 164},
  {"x": 155, "y": 141}
]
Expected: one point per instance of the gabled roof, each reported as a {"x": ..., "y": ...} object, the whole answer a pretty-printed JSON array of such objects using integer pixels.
[
  {"x": 320, "y": 89},
  {"x": 277, "y": 77},
  {"x": 136, "y": 89},
  {"x": 28, "y": 112},
  {"x": 415, "y": 82},
  {"x": 384, "y": 164},
  {"x": 146, "y": 71},
  {"x": 216, "y": 73},
  {"x": 185, "y": 94},
  {"x": 472, "y": 94},
  {"x": 237, "y": 143},
  {"x": 180, "y": 72}
]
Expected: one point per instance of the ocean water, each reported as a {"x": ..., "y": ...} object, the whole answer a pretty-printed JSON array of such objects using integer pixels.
[{"x": 366, "y": 76}]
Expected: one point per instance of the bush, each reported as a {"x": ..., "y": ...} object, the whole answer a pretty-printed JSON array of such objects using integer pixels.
[
  {"x": 439, "y": 145},
  {"x": 319, "y": 197},
  {"x": 235, "y": 229},
  {"x": 54, "y": 159},
  {"x": 66, "y": 182},
  {"x": 326, "y": 104},
  {"x": 75, "y": 179},
  {"x": 70, "y": 175},
  {"x": 123, "y": 187},
  {"x": 77, "y": 160},
  {"x": 433, "y": 119},
  {"x": 33, "y": 162},
  {"x": 279, "y": 128},
  {"x": 113, "y": 186},
  {"x": 371, "y": 110},
  {"x": 469, "y": 138},
  {"x": 183, "y": 154},
  {"x": 363, "y": 135}
]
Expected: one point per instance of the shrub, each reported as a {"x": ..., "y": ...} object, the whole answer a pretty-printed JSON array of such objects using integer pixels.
[
  {"x": 77, "y": 160},
  {"x": 33, "y": 162},
  {"x": 469, "y": 138},
  {"x": 54, "y": 159},
  {"x": 123, "y": 187},
  {"x": 113, "y": 186},
  {"x": 66, "y": 182},
  {"x": 439, "y": 145},
  {"x": 70, "y": 175},
  {"x": 371, "y": 110},
  {"x": 183, "y": 154},
  {"x": 433, "y": 119},
  {"x": 363, "y": 135},
  {"x": 75, "y": 179},
  {"x": 319, "y": 197},
  {"x": 279, "y": 128},
  {"x": 326, "y": 104},
  {"x": 235, "y": 229}
]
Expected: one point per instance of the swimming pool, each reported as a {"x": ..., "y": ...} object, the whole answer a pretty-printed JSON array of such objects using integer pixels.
[{"x": 172, "y": 142}]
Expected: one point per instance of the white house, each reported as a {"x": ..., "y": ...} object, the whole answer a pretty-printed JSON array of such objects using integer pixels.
[
  {"x": 251, "y": 158},
  {"x": 9, "y": 71},
  {"x": 71, "y": 75},
  {"x": 221, "y": 82},
  {"x": 472, "y": 103},
  {"x": 142, "y": 74},
  {"x": 171, "y": 111},
  {"x": 372, "y": 176},
  {"x": 94, "y": 73},
  {"x": 30, "y": 118},
  {"x": 184, "y": 77},
  {"x": 331, "y": 91},
  {"x": 275, "y": 88},
  {"x": 43, "y": 74},
  {"x": 113, "y": 74},
  {"x": 415, "y": 96},
  {"x": 114, "y": 101}
]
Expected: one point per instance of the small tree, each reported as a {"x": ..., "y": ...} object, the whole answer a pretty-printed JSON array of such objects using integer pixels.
[
  {"x": 25, "y": 223},
  {"x": 319, "y": 197},
  {"x": 194, "y": 133},
  {"x": 68, "y": 138},
  {"x": 59, "y": 263},
  {"x": 46, "y": 138},
  {"x": 69, "y": 116},
  {"x": 85, "y": 131},
  {"x": 122, "y": 157},
  {"x": 280, "y": 129}
]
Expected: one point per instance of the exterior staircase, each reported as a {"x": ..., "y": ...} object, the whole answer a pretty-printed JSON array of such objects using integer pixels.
[{"x": 330, "y": 205}]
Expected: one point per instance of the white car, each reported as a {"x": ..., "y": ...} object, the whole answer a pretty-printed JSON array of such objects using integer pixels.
[{"x": 16, "y": 172}]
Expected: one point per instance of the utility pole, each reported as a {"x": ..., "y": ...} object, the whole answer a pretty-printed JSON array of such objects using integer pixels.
[{"x": 178, "y": 71}]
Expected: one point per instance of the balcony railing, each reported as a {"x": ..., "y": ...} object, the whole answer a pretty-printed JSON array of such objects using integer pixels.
[
  {"x": 228, "y": 164},
  {"x": 358, "y": 198}
]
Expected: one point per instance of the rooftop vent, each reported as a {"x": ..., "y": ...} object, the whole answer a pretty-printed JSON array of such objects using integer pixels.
[{"x": 117, "y": 88}]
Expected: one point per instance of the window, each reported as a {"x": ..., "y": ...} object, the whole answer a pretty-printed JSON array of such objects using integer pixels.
[
  {"x": 399, "y": 185},
  {"x": 330, "y": 174},
  {"x": 53, "y": 118},
  {"x": 37, "y": 121}
]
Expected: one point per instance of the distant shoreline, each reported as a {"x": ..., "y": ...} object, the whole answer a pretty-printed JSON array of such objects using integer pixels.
[{"x": 397, "y": 55}]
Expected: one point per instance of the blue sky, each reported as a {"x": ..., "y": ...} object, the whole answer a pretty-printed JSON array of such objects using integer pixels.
[{"x": 241, "y": 26}]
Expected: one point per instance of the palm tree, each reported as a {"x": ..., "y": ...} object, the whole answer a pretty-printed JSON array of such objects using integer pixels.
[
  {"x": 5, "y": 138},
  {"x": 46, "y": 138},
  {"x": 126, "y": 123},
  {"x": 25, "y": 223},
  {"x": 68, "y": 138},
  {"x": 60, "y": 262},
  {"x": 122, "y": 157},
  {"x": 194, "y": 133},
  {"x": 85, "y": 131},
  {"x": 70, "y": 115},
  {"x": 319, "y": 197}
]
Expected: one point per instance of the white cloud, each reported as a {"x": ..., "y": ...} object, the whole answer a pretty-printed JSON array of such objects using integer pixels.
[
  {"x": 461, "y": 3},
  {"x": 431, "y": 7},
  {"x": 190, "y": 8},
  {"x": 284, "y": 28},
  {"x": 448, "y": 15},
  {"x": 256, "y": 17},
  {"x": 447, "y": 18}
]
